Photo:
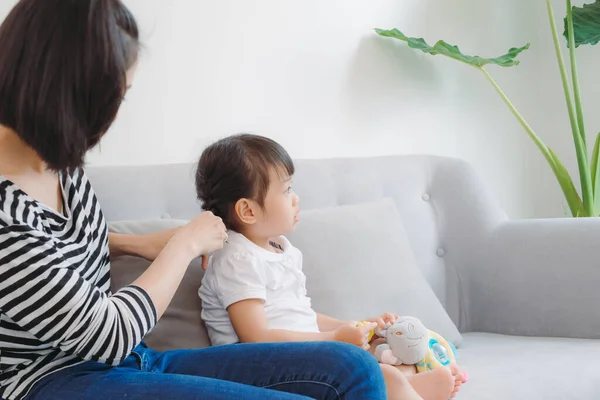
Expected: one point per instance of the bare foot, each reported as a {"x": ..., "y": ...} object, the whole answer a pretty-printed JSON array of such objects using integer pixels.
[
  {"x": 459, "y": 376},
  {"x": 438, "y": 384}
]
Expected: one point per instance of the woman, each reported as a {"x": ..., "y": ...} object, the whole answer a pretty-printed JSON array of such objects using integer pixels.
[{"x": 65, "y": 67}]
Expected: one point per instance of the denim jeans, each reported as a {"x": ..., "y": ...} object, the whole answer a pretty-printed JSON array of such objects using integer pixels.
[{"x": 318, "y": 370}]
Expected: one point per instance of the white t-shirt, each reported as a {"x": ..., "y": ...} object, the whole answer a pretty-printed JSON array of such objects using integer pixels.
[{"x": 243, "y": 270}]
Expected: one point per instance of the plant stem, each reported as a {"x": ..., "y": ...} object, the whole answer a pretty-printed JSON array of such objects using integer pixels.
[
  {"x": 595, "y": 168},
  {"x": 575, "y": 74},
  {"x": 580, "y": 148},
  {"x": 563, "y": 71},
  {"x": 557, "y": 167},
  {"x": 539, "y": 143}
]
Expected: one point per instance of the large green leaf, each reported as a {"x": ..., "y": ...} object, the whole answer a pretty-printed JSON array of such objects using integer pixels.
[
  {"x": 448, "y": 50},
  {"x": 586, "y": 24}
]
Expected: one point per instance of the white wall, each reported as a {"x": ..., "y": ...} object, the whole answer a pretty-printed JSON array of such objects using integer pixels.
[{"x": 313, "y": 75}]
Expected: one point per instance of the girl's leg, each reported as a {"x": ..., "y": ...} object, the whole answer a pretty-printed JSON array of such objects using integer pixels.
[
  {"x": 448, "y": 381},
  {"x": 398, "y": 387},
  {"x": 439, "y": 384},
  {"x": 321, "y": 370}
]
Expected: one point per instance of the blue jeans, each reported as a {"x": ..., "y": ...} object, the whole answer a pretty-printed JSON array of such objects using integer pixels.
[{"x": 319, "y": 370}]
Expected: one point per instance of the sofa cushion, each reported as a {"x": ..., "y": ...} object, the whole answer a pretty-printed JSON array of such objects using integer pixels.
[
  {"x": 516, "y": 367},
  {"x": 359, "y": 264},
  {"x": 181, "y": 325}
]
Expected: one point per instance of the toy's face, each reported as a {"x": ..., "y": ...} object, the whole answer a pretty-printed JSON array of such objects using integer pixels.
[{"x": 408, "y": 338}]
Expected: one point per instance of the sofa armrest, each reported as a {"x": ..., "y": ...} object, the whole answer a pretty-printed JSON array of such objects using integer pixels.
[{"x": 537, "y": 278}]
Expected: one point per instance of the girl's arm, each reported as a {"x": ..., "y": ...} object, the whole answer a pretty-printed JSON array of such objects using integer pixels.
[
  {"x": 250, "y": 323},
  {"x": 328, "y": 324}
]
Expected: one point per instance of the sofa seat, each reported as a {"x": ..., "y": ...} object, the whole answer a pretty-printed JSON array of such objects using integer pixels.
[{"x": 517, "y": 367}]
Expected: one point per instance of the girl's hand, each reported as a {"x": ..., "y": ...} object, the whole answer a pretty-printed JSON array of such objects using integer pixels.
[
  {"x": 383, "y": 319},
  {"x": 356, "y": 335}
]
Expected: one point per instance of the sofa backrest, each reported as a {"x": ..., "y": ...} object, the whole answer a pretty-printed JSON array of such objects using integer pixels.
[{"x": 446, "y": 208}]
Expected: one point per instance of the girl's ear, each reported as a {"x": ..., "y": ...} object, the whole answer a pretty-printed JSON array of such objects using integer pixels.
[{"x": 245, "y": 211}]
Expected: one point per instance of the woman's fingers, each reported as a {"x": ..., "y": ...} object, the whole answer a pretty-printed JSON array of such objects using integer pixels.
[{"x": 203, "y": 235}]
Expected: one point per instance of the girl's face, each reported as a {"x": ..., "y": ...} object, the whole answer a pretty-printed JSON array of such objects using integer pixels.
[{"x": 280, "y": 212}]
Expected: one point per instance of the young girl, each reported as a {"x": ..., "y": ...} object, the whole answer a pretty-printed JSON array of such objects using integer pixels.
[{"x": 254, "y": 288}]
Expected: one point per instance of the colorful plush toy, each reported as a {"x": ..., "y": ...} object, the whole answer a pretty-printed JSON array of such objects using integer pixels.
[
  {"x": 440, "y": 353},
  {"x": 408, "y": 341}
]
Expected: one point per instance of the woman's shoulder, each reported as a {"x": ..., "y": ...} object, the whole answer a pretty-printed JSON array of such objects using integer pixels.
[
  {"x": 77, "y": 179},
  {"x": 16, "y": 208},
  {"x": 5, "y": 221}
]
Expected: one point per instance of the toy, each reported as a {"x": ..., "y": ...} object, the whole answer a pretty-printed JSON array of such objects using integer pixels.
[
  {"x": 440, "y": 353},
  {"x": 408, "y": 341},
  {"x": 371, "y": 334}
]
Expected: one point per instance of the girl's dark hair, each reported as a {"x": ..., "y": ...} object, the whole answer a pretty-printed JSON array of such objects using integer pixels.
[
  {"x": 237, "y": 167},
  {"x": 63, "y": 73}
]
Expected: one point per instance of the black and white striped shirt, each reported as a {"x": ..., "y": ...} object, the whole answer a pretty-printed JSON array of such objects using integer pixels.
[{"x": 56, "y": 308}]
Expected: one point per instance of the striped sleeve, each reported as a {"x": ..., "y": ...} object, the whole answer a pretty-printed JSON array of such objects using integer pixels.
[{"x": 44, "y": 295}]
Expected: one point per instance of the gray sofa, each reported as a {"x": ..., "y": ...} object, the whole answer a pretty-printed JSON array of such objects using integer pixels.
[{"x": 525, "y": 294}]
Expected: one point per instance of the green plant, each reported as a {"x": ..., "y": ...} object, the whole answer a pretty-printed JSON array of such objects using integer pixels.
[{"x": 582, "y": 26}]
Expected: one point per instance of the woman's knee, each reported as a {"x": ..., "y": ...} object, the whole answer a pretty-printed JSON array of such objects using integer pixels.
[
  {"x": 351, "y": 362},
  {"x": 348, "y": 355},
  {"x": 356, "y": 371}
]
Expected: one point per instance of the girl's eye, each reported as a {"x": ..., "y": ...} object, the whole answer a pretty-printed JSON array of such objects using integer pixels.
[{"x": 288, "y": 190}]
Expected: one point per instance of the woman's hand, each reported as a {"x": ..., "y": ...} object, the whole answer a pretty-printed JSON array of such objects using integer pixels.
[{"x": 203, "y": 235}]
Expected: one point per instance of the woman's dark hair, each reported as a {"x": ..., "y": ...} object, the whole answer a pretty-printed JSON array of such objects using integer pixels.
[
  {"x": 237, "y": 167},
  {"x": 63, "y": 68}
]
